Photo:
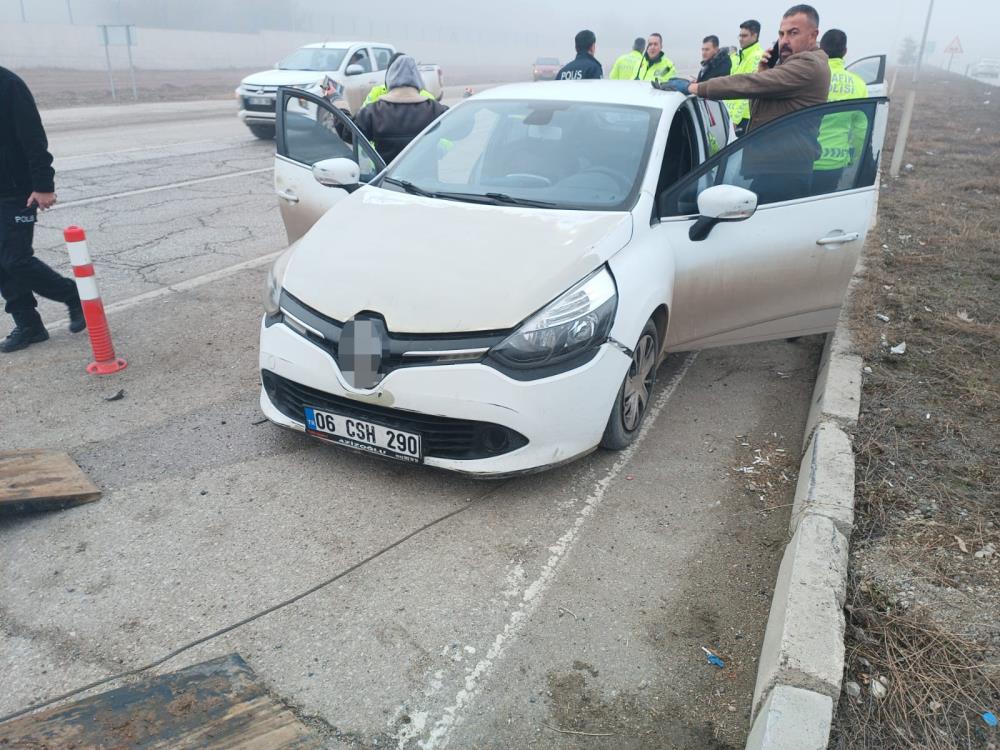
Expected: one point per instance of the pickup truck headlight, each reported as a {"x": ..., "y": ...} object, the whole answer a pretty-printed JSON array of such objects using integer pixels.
[
  {"x": 275, "y": 277},
  {"x": 564, "y": 331}
]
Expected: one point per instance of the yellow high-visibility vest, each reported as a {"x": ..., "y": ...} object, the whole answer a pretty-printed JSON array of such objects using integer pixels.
[{"x": 842, "y": 135}]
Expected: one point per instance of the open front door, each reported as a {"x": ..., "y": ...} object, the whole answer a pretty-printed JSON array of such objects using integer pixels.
[
  {"x": 781, "y": 269},
  {"x": 872, "y": 72},
  {"x": 310, "y": 129}
]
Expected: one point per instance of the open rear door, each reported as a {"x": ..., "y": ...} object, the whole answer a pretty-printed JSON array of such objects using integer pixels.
[
  {"x": 871, "y": 69},
  {"x": 311, "y": 129}
]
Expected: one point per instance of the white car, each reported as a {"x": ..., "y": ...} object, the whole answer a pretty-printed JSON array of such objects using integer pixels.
[
  {"x": 497, "y": 300},
  {"x": 357, "y": 67}
]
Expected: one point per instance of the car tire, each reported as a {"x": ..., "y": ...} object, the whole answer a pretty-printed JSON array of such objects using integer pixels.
[
  {"x": 264, "y": 132},
  {"x": 635, "y": 393}
]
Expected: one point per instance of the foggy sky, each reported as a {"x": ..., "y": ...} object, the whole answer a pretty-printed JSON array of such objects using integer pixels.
[{"x": 462, "y": 29}]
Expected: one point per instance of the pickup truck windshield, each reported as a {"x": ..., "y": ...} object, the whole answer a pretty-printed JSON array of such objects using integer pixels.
[
  {"x": 313, "y": 58},
  {"x": 571, "y": 155}
]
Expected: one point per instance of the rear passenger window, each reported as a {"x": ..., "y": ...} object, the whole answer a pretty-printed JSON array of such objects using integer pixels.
[
  {"x": 382, "y": 57},
  {"x": 361, "y": 58}
]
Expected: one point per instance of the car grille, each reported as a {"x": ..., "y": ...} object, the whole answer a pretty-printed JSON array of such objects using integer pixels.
[
  {"x": 403, "y": 350},
  {"x": 256, "y": 92},
  {"x": 257, "y": 107},
  {"x": 443, "y": 437}
]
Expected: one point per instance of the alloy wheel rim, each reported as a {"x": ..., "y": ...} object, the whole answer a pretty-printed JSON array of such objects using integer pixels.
[{"x": 638, "y": 383}]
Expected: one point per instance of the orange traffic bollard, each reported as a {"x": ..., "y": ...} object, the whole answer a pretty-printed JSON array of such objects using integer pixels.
[{"x": 105, "y": 362}]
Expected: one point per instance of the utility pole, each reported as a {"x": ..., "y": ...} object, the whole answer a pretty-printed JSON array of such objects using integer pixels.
[
  {"x": 911, "y": 95},
  {"x": 69, "y": 11}
]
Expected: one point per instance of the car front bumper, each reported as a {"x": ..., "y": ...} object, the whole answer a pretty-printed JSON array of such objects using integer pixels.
[
  {"x": 256, "y": 118},
  {"x": 562, "y": 416}
]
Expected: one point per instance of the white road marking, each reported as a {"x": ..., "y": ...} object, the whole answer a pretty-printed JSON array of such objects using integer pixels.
[
  {"x": 83, "y": 162},
  {"x": 179, "y": 287},
  {"x": 452, "y": 716},
  {"x": 158, "y": 188},
  {"x": 128, "y": 150}
]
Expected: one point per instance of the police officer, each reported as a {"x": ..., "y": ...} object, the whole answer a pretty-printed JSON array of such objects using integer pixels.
[
  {"x": 585, "y": 66},
  {"x": 626, "y": 67},
  {"x": 841, "y": 135},
  {"x": 655, "y": 65},
  {"x": 26, "y": 184},
  {"x": 745, "y": 61}
]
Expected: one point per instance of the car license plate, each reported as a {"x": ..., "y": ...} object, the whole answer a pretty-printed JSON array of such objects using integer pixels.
[
  {"x": 260, "y": 100},
  {"x": 363, "y": 435}
]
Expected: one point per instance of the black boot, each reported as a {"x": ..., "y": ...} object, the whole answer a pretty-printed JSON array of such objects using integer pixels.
[
  {"x": 76, "y": 320},
  {"x": 24, "y": 336}
]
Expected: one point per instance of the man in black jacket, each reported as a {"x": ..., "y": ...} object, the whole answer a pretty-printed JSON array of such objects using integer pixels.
[
  {"x": 399, "y": 116},
  {"x": 585, "y": 66},
  {"x": 714, "y": 62},
  {"x": 26, "y": 184}
]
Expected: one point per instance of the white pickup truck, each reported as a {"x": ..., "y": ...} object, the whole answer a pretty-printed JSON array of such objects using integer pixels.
[{"x": 357, "y": 66}]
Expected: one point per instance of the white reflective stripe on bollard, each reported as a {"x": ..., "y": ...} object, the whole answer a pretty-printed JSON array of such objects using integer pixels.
[
  {"x": 78, "y": 253},
  {"x": 87, "y": 287}
]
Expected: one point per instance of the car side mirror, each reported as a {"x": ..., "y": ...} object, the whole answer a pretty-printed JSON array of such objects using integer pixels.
[
  {"x": 722, "y": 203},
  {"x": 354, "y": 70},
  {"x": 340, "y": 172}
]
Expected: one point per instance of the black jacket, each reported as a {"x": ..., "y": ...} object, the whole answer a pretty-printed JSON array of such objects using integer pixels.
[
  {"x": 720, "y": 64},
  {"x": 583, "y": 67},
  {"x": 25, "y": 161},
  {"x": 392, "y": 125}
]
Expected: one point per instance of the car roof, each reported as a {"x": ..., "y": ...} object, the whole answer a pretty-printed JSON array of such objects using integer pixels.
[
  {"x": 635, "y": 93},
  {"x": 344, "y": 45}
]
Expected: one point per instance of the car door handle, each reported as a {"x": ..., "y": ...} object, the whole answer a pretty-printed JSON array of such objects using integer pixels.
[
  {"x": 288, "y": 195},
  {"x": 838, "y": 239}
]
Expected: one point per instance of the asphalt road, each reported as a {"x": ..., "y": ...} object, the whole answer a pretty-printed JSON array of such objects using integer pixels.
[{"x": 458, "y": 613}]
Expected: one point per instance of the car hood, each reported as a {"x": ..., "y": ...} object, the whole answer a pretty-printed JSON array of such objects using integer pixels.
[
  {"x": 283, "y": 78},
  {"x": 439, "y": 266}
]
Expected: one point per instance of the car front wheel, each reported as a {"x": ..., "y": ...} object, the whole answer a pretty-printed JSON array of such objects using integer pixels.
[
  {"x": 635, "y": 392},
  {"x": 264, "y": 132}
]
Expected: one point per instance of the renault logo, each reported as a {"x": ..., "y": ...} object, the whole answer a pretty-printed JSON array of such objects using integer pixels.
[{"x": 363, "y": 344}]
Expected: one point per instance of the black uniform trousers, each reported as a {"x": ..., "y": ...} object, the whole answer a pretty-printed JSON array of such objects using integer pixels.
[{"x": 22, "y": 275}]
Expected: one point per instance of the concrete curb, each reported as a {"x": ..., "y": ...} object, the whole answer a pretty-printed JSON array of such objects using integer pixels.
[{"x": 802, "y": 658}]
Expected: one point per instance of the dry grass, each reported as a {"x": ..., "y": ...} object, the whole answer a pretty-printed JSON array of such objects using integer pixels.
[
  {"x": 933, "y": 680},
  {"x": 924, "y": 609}
]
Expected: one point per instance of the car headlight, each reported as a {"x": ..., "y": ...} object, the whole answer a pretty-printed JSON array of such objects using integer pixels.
[
  {"x": 564, "y": 331},
  {"x": 275, "y": 277}
]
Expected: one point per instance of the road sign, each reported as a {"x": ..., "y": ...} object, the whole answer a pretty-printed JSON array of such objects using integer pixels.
[{"x": 954, "y": 47}]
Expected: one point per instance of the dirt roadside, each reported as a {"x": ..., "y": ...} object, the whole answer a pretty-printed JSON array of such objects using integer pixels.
[
  {"x": 923, "y": 604},
  {"x": 60, "y": 87}
]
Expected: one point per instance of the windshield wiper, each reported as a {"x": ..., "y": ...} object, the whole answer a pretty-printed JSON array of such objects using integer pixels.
[
  {"x": 409, "y": 187},
  {"x": 504, "y": 198}
]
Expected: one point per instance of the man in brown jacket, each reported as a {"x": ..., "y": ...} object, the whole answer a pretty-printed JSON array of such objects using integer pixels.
[
  {"x": 781, "y": 167},
  {"x": 800, "y": 80}
]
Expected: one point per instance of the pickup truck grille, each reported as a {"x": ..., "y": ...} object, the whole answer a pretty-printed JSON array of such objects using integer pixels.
[{"x": 249, "y": 93}]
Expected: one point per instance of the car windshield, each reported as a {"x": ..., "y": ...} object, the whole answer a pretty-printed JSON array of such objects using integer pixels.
[
  {"x": 313, "y": 58},
  {"x": 546, "y": 61},
  {"x": 573, "y": 155}
]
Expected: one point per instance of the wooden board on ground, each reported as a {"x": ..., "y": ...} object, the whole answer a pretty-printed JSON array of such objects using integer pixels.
[
  {"x": 40, "y": 480},
  {"x": 213, "y": 705}
]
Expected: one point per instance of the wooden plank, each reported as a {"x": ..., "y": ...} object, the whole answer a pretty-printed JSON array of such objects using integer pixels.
[
  {"x": 40, "y": 479},
  {"x": 216, "y": 705}
]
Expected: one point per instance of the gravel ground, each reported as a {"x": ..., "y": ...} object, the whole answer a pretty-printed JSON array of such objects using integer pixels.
[{"x": 924, "y": 600}]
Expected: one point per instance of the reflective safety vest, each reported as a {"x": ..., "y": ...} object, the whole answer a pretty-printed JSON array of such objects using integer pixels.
[
  {"x": 662, "y": 70},
  {"x": 842, "y": 135},
  {"x": 743, "y": 62},
  {"x": 381, "y": 90},
  {"x": 626, "y": 67}
]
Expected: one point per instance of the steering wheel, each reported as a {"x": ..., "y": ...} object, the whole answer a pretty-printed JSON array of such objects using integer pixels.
[
  {"x": 539, "y": 180},
  {"x": 620, "y": 181}
]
